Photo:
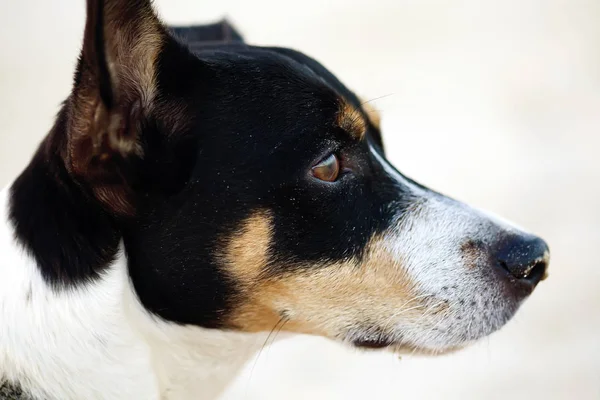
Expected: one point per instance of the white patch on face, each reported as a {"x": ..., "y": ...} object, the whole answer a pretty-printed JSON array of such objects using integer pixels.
[{"x": 440, "y": 242}]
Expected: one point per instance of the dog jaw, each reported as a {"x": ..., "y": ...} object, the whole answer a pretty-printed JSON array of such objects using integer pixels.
[{"x": 427, "y": 283}]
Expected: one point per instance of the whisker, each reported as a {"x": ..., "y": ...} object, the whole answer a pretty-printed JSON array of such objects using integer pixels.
[
  {"x": 260, "y": 353},
  {"x": 404, "y": 310},
  {"x": 275, "y": 335},
  {"x": 415, "y": 298},
  {"x": 377, "y": 98}
]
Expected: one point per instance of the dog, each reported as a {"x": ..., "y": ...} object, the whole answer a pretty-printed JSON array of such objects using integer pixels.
[{"x": 196, "y": 193}]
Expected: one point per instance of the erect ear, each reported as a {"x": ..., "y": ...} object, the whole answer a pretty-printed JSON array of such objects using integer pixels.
[{"x": 115, "y": 88}]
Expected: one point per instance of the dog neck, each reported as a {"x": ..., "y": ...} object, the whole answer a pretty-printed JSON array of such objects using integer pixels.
[
  {"x": 191, "y": 361},
  {"x": 95, "y": 339}
]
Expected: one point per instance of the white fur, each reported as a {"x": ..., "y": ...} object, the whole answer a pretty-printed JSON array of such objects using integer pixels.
[
  {"x": 98, "y": 342},
  {"x": 427, "y": 243}
]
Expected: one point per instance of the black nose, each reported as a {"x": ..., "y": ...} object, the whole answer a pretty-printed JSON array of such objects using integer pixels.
[{"x": 524, "y": 257}]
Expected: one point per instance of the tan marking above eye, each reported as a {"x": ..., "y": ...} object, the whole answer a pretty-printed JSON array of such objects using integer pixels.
[
  {"x": 351, "y": 120},
  {"x": 327, "y": 170}
]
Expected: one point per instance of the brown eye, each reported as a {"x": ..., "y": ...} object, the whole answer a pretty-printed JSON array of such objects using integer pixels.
[{"x": 328, "y": 169}]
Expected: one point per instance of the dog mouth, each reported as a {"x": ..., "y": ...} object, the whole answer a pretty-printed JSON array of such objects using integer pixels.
[
  {"x": 373, "y": 339},
  {"x": 402, "y": 349},
  {"x": 373, "y": 343}
]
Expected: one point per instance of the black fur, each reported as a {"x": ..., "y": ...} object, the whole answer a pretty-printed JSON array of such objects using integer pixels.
[
  {"x": 220, "y": 32},
  {"x": 71, "y": 237},
  {"x": 260, "y": 119}
]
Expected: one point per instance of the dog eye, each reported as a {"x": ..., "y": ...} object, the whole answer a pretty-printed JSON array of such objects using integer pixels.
[{"x": 327, "y": 170}]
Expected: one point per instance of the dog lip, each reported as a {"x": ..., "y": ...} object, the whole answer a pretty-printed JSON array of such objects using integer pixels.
[{"x": 372, "y": 343}]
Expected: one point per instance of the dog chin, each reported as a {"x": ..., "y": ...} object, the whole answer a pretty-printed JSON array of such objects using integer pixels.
[{"x": 426, "y": 342}]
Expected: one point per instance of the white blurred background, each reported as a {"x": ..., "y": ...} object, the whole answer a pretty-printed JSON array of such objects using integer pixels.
[{"x": 494, "y": 102}]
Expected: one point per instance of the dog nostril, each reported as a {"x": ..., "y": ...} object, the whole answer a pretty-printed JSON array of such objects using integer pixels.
[
  {"x": 525, "y": 258},
  {"x": 533, "y": 272}
]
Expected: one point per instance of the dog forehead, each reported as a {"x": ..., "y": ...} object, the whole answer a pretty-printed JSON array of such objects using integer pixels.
[
  {"x": 261, "y": 93},
  {"x": 252, "y": 68}
]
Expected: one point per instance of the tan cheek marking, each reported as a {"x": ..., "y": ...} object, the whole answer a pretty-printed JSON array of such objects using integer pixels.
[
  {"x": 351, "y": 120},
  {"x": 245, "y": 256},
  {"x": 327, "y": 300},
  {"x": 247, "y": 250}
]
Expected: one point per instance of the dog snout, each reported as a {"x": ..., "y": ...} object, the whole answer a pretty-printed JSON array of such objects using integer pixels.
[{"x": 523, "y": 258}]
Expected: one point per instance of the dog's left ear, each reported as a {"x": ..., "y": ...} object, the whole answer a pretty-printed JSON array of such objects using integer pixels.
[{"x": 114, "y": 93}]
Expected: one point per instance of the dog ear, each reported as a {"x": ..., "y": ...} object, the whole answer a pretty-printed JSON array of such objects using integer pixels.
[
  {"x": 115, "y": 87},
  {"x": 197, "y": 35}
]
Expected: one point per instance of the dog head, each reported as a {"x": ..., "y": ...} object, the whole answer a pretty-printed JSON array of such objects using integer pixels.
[{"x": 251, "y": 189}]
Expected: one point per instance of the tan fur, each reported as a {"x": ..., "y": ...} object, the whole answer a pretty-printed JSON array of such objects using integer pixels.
[
  {"x": 246, "y": 253},
  {"x": 132, "y": 50},
  {"x": 351, "y": 120}
]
